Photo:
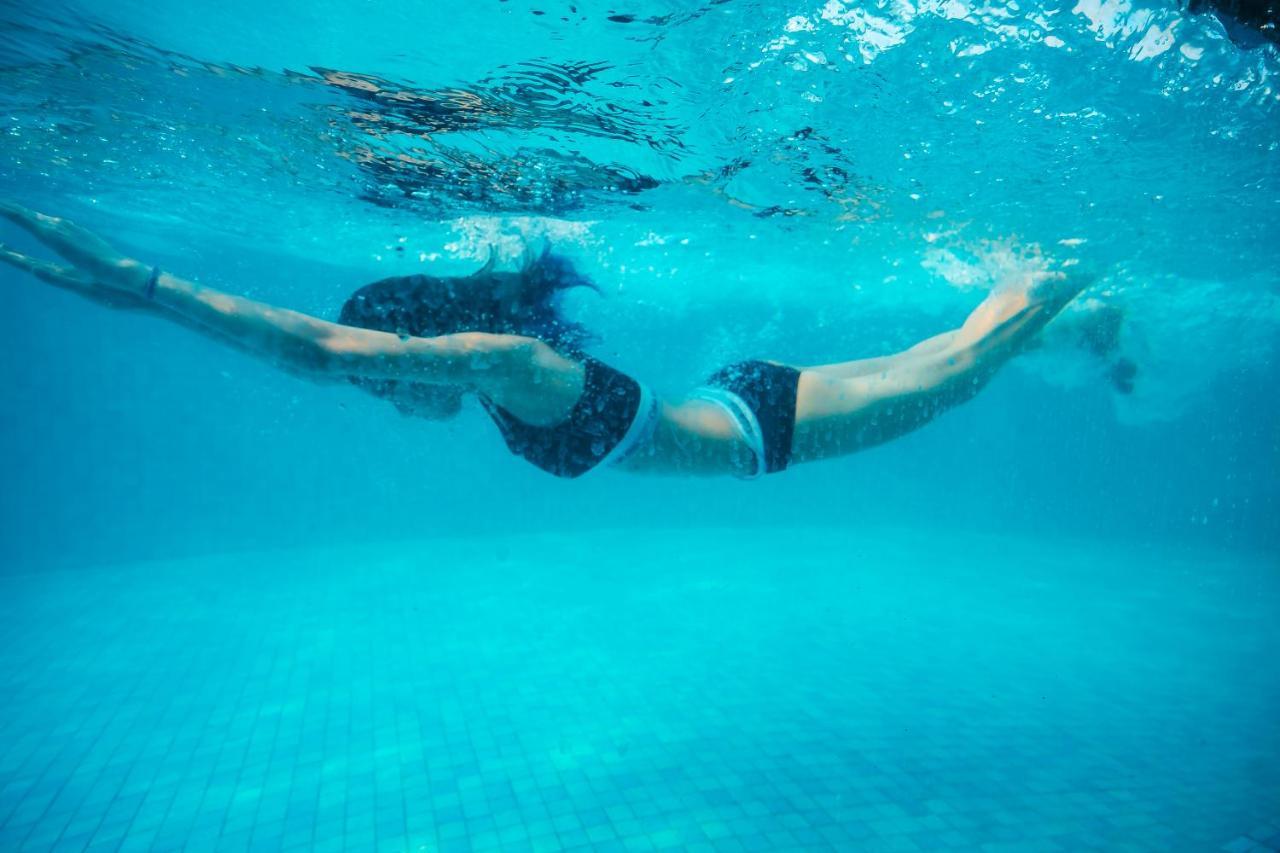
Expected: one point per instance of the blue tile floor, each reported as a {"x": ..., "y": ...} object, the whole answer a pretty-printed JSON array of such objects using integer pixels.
[{"x": 665, "y": 690}]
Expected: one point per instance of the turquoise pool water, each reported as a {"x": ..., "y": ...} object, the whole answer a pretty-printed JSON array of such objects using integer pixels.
[{"x": 239, "y": 611}]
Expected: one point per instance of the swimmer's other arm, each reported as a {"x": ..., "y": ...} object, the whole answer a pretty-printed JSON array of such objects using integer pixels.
[
  {"x": 312, "y": 346},
  {"x": 495, "y": 364}
]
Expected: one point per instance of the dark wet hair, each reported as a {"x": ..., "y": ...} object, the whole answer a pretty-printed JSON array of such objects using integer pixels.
[{"x": 520, "y": 302}]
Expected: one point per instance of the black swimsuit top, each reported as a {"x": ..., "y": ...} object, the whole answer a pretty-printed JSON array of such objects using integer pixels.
[{"x": 601, "y": 418}]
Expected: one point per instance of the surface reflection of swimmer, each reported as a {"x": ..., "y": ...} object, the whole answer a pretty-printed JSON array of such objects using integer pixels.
[
  {"x": 414, "y": 111},
  {"x": 424, "y": 342},
  {"x": 497, "y": 184},
  {"x": 455, "y": 173},
  {"x": 529, "y": 96}
]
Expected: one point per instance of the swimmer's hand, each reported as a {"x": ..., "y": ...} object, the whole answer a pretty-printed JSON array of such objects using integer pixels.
[{"x": 96, "y": 270}]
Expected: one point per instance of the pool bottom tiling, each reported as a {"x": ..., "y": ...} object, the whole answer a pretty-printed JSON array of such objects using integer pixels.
[{"x": 798, "y": 689}]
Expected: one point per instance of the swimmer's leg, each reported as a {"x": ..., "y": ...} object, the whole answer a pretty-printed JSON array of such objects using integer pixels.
[
  {"x": 867, "y": 366},
  {"x": 848, "y": 407}
]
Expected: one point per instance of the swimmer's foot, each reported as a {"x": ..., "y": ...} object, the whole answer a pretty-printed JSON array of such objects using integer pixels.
[
  {"x": 1021, "y": 305},
  {"x": 1054, "y": 290}
]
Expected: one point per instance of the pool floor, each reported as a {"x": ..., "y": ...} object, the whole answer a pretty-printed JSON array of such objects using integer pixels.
[{"x": 799, "y": 689}]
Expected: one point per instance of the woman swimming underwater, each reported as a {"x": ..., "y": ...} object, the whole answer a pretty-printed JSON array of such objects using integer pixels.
[{"x": 424, "y": 342}]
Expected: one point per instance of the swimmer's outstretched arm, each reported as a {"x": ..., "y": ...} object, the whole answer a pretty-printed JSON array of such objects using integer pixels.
[
  {"x": 503, "y": 366},
  {"x": 69, "y": 279}
]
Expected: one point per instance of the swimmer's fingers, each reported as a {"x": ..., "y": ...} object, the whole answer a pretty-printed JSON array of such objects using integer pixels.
[
  {"x": 82, "y": 247},
  {"x": 62, "y": 235},
  {"x": 68, "y": 278}
]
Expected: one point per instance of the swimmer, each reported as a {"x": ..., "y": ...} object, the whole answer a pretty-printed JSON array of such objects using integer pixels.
[{"x": 424, "y": 342}]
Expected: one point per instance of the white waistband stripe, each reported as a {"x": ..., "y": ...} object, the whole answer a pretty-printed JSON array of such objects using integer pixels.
[
  {"x": 639, "y": 431},
  {"x": 741, "y": 414}
]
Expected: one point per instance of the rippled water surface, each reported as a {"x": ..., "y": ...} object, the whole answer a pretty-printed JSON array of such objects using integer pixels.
[{"x": 879, "y": 127}]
